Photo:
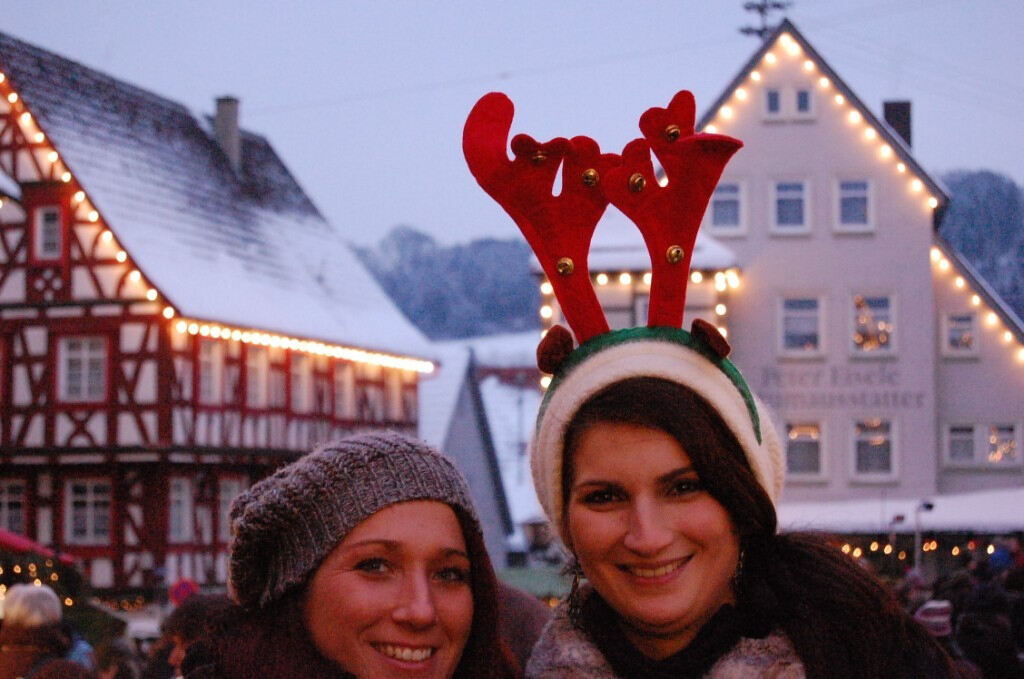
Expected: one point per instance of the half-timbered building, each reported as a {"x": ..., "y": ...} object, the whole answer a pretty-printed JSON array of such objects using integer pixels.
[{"x": 176, "y": 319}]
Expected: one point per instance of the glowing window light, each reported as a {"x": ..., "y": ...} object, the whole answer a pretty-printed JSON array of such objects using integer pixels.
[
  {"x": 546, "y": 288},
  {"x": 647, "y": 278},
  {"x": 741, "y": 94},
  {"x": 602, "y": 279},
  {"x": 625, "y": 278},
  {"x": 936, "y": 255},
  {"x": 823, "y": 82},
  {"x": 839, "y": 99},
  {"x": 726, "y": 112},
  {"x": 991, "y": 318},
  {"x": 121, "y": 256},
  {"x": 770, "y": 58},
  {"x": 168, "y": 312},
  {"x": 545, "y": 382},
  {"x": 854, "y": 117},
  {"x": 546, "y": 311},
  {"x": 808, "y": 65},
  {"x": 870, "y": 133},
  {"x": 134, "y": 276},
  {"x": 711, "y": 129},
  {"x": 959, "y": 282},
  {"x": 720, "y": 309},
  {"x": 975, "y": 300},
  {"x": 151, "y": 295},
  {"x": 79, "y": 196},
  {"x": 755, "y": 76},
  {"x": 885, "y": 151},
  {"x": 916, "y": 185},
  {"x": 696, "y": 276},
  {"x": 933, "y": 202},
  {"x": 901, "y": 168}
]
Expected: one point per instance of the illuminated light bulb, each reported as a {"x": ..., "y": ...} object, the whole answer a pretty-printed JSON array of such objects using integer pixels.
[
  {"x": 106, "y": 236},
  {"x": 546, "y": 311},
  {"x": 720, "y": 309},
  {"x": 839, "y": 99},
  {"x": 944, "y": 264},
  {"x": 916, "y": 185},
  {"x": 236, "y": 335},
  {"x": 902, "y": 555},
  {"x": 857, "y": 552},
  {"x": 846, "y": 549},
  {"x": 885, "y": 151},
  {"x": 732, "y": 278},
  {"x": 68, "y": 601},
  {"x": 991, "y": 549},
  {"x": 741, "y": 94},
  {"x": 808, "y": 65},
  {"x": 215, "y": 332},
  {"x": 887, "y": 549},
  {"x": 901, "y": 168},
  {"x": 52, "y": 156},
  {"x": 625, "y": 278},
  {"x": 854, "y": 117},
  {"x": 2, "y": 78},
  {"x": 93, "y": 215},
  {"x": 770, "y": 58},
  {"x": 168, "y": 312},
  {"x": 723, "y": 331},
  {"x": 602, "y": 279},
  {"x": 870, "y": 133},
  {"x": 274, "y": 341},
  {"x": 720, "y": 285},
  {"x": 975, "y": 300},
  {"x": 151, "y": 295},
  {"x": 696, "y": 277},
  {"x": 12, "y": 97},
  {"x": 1007, "y": 336},
  {"x": 65, "y": 177},
  {"x": 711, "y": 129},
  {"x": 955, "y": 551},
  {"x": 121, "y": 256},
  {"x": 873, "y": 546},
  {"x": 786, "y": 39},
  {"x": 193, "y": 328},
  {"x": 39, "y": 137},
  {"x": 726, "y": 112},
  {"x": 991, "y": 318},
  {"x": 79, "y": 196},
  {"x": 959, "y": 282},
  {"x": 933, "y": 202},
  {"x": 546, "y": 288},
  {"x": 25, "y": 118},
  {"x": 247, "y": 337},
  {"x": 823, "y": 82},
  {"x": 134, "y": 276},
  {"x": 755, "y": 76},
  {"x": 204, "y": 330},
  {"x": 181, "y": 326},
  {"x": 545, "y": 382},
  {"x": 793, "y": 49},
  {"x": 647, "y": 278},
  {"x": 936, "y": 255}
]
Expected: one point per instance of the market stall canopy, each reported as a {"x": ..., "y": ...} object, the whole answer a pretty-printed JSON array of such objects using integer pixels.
[{"x": 12, "y": 542}]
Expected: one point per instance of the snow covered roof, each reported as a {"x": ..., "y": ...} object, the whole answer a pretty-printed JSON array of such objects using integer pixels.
[
  {"x": 618, "y": 246},
  {"x": 439, "y": 393},
  {"x": 248, "y": 249},
  {"x": 995, "y": 511}
]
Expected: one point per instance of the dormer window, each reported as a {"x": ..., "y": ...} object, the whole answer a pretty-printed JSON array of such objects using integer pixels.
[
  {"x": 48, "y": 233},
  {"x": 804, "y": 103},
  {"x": 773, "y": 103}
]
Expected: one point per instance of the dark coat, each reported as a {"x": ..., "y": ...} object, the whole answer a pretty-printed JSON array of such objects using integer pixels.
[{"x": 24, "y": 650}]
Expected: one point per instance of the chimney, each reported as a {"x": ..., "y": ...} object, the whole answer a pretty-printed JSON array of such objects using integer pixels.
[
  {"x": 225, "y": 127},
  {"x": 897, "y": 114}
]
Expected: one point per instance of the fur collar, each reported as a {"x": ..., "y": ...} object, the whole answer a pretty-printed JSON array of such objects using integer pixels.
[{"x": 566, "y": 652}]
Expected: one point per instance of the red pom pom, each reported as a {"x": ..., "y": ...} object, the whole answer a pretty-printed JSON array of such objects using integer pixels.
[
  {"x": 553, "y": 349},
  {"x": 709, "y": 335}
]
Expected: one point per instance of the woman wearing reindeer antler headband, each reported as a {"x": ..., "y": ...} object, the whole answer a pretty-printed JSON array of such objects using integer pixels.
[{"x": 654, "y": 461}]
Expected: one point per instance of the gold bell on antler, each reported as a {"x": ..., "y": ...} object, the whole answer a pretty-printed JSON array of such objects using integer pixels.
[
  {"x": 637, "y": 182},
  {"x": 564, "y": 266},
  {"x": 672, "y": 132},
  {"x": 674, "y": 254},
  {"x": 538, "y": 157},
  {"x": 590, "y": 177}
]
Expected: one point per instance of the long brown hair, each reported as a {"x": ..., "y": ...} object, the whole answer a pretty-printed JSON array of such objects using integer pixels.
[{"x": 841, "y": 620}]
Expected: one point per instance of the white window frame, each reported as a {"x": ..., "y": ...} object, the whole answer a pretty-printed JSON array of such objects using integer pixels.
[
  {"x": 1015, "y": 440},
  {"x": 740, "y": 229},
  {"x": 228, "y": 488},
  {"x": 13, "y": 498},
  {"x": 180, "y": 512},
  {"x": 300, "y": 374},
  {"x": 93, "y": 500},
  {"x": 257, "y": 382},
  {"x": 822, "y": 473},
  {"x": 837, "y": 214},
  {"x": 892, "y": 345},
  {"x": 38, "y": 226},
  {"x": 802, "y": 229},
  {"x": 87, "y": 354},
  {"x": 894, "y": 452},
  {"x": 812, "y": 111},
  {"x": 980, "y": 446},
  {"x": 211, "y": 371},
  {"x": 781, "y": 315},
  {"x": 944, "y": 327}
]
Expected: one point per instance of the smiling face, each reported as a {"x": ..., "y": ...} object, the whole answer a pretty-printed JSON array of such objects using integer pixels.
[
  {"x": 651, "y": 540},
  {"x": 393, "y": 599}
]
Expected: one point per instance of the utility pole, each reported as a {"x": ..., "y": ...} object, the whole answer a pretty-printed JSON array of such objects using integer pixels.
[{"x": 764, "y": 8}]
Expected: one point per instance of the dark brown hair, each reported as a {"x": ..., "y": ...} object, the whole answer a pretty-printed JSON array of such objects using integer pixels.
[{"x": 841, "y": 620}]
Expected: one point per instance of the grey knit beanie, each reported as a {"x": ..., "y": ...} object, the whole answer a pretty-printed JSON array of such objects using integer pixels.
[{"x": 285, "y": 525}]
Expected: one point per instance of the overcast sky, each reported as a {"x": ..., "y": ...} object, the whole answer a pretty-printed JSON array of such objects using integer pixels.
[{"x": 365, "y": 101}]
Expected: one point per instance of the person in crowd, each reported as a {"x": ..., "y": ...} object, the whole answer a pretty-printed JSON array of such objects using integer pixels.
[
  {"x": 32, "y": 642},
  {"x": 190, "y": 622},
  {"x": 936, "y": 616},
  {"x": 522, "y": 618},
  {"x": 117, "y": 660},
  {"x": 363, "y": 558},
  {"x": 987, "y": 641}
]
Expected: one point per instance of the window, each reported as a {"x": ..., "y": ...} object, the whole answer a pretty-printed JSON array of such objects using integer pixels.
[
  {"x": 229, "y": 489},
  {"x": 958, "y": 334},
  {"x": 370, "y": 393},
  {"x": 727, "y": 209},
  {"x": 87, "y": 512},
  {"x": 804, "y": 106},
  {"x": 83, "y": 369},
  {"x": 790, "y": 210},
  {"x": 12, "y": 506},
  {"x": 49, "y": 233},
  {"x": 256, "y": 366},
  {"x": 873, "y": 449},
  {"x": 302, "y": 383},
  {"x": 180, "y": 519},
  {"x": 772, "y": 103},
  {"x": 803, "y": 450},
  {"x": 344, "y": 391},
  {"x": 873, "y": 326},
  {"x": 801, "y": 326},
  {"x": 992, "y": 446},
  {"x": 211, "y": 371},
  {"x": 853, "y": 206}
]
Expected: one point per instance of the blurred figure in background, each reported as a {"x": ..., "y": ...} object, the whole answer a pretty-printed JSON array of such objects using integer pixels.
[{"x": 32, "y": 642}]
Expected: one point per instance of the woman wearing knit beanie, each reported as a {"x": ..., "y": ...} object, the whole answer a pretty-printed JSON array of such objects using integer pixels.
[
  {"x": 654, "y": 461},
  {"x": 363, "y": 558}
]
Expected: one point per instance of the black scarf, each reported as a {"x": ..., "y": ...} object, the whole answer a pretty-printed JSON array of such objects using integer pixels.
[{"x": 715, "y": 639}]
